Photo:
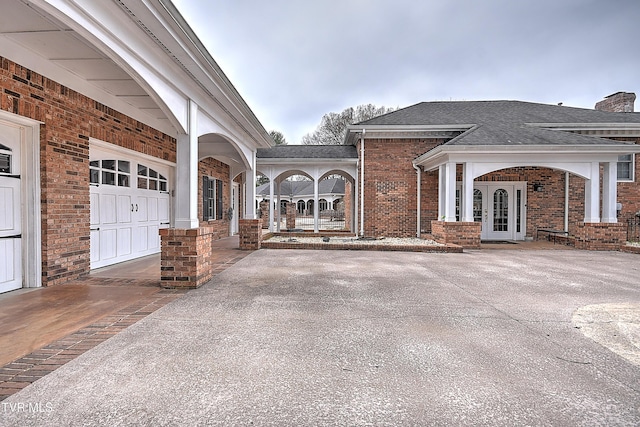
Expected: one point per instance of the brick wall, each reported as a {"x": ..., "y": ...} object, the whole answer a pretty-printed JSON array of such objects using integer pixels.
[
  {"x": 70, "y": 119},
  {"x": 390, "y": 186}
]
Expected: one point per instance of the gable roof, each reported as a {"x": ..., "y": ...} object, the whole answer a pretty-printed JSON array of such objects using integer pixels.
[
  {"x": 501, "y": 112},
  {"x": 503, "y": 123}
]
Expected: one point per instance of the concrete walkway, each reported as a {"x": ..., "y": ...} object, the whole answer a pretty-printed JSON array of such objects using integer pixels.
[{"x": 362, "y": 338}]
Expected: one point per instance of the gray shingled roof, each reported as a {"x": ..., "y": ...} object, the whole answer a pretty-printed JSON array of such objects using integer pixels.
[
  {"x": 506, "y": 122},
  {"x": 305, "y": 188},
  {"x": 490, "y": 112},
  {"x": 308, "y": 152}
]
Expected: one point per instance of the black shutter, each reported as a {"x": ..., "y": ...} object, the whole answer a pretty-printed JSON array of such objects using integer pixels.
[
  {"x": 219, "y": 207},
  {"x": 205, "y": 198}
]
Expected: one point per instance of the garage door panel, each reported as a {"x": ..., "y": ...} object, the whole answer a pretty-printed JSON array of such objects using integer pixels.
[
  {"x": 125, "y": 209},
  {"x": 108, "y": 241},
  {"x": 95, "y": 245},
  {"x": 153, "y": 237},
  {"x": 152, "y": 208},
  {"x": 9, "y": 206},
  {"x": 141, "y": 209},
  {"x": 95, "y": 213},
  {"x": 107, "y": 209},
  {"x": 124, "y": 241},
  {"x": 141, "y": 239},
  {"x": 163, "y": 210}
]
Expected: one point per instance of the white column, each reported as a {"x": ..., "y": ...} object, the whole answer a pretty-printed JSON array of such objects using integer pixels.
[
  {"x": 354, "y": 198},
  {"x": 250, "y": 190},
  {"x": 278, "y": 210},
  {"x": 186, "y": 206},
  {"x": 271, "y": 198},
  {"x": 609, "y": 192},
  {"x": 316, "y": 206},
  {"x": 592, "y": 195},
  {"x": 441, "y": 193},
  {"x": 466, "y": 198},
  {"x": 450, "y": 192}
]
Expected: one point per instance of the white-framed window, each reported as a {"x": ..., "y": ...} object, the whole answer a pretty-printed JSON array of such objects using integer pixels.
[
  {"x": 626, "y": 169},
  {"x": 211, "y": 198}
]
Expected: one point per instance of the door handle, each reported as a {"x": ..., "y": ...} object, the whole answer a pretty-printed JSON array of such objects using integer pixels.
[
  {"x": 136, "y": 207},
  {"x": 131, "y": 207}
]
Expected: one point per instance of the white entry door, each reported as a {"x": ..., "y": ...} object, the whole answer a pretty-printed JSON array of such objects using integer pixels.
[
  {"x": 129, "y": 204},
  {"x": 10, "y": 209},
  {"x": 501, "y": 209}
]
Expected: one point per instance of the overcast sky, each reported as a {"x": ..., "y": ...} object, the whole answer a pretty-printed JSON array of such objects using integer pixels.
[{"x": 295, "y": 60}]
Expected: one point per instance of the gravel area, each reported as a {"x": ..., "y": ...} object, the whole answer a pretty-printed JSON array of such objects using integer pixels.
[{"x": 357, "y": 241}]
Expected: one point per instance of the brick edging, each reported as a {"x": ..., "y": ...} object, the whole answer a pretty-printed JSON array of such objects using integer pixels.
[
  {"x": 630, "y": 249},
  {"x": 449, "y": 248}
]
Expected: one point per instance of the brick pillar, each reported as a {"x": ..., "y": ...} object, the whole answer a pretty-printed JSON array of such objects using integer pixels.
[
  {"x": 264, "y": 213},
  {"x": 600, "y": 236},
  {"x": 250, "y": 234},
  {"x": 465, "y": 234},
  {"x": 291, "y": 216},
  {"x": 186, "y": 257},
  {"x": 348, "y": 206}
]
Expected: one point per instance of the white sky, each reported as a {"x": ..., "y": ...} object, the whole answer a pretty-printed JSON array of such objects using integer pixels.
[{"x": 295, "y": 60}]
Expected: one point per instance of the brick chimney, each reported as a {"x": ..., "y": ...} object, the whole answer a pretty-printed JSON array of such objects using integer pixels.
[{"x": 619, "y": 102}]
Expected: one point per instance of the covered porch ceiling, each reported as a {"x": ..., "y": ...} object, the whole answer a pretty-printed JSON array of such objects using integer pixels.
[{"x": 38, "y": 40}]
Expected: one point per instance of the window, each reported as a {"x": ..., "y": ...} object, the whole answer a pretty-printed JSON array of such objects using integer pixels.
[
  {"x": 212, "y": 192},
  {"x": 149, "y": 179},
  {"x": 110, "y": 172},
  {"x": 625, "y": 167}
]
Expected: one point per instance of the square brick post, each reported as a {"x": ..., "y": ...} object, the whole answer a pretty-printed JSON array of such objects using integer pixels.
[
  {"x": 600, "y": 236},
  {"x": 186, "y": 260},
  {"x": 291, "y": 216},
  {"x": 250, "y": 234},
  {"x": 465, "y": 234}
]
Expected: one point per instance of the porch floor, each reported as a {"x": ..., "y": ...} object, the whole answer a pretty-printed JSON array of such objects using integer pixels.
[{"x": 43, "y": 328}]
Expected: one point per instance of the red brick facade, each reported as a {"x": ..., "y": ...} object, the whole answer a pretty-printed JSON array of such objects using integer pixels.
[
  {"x": 465, "y": 234},
  {"x": 390, "y": 191},
  {"x": 69, "y": 120}
]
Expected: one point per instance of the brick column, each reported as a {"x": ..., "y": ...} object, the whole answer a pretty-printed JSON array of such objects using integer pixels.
[
  {"x": 291, "y": 216},
  {"x": 600, "y": 236},
  {"x": 465, "y": 234},
  {"x": 186, "y": 257},
  {"x": 264, "y": 213},
  {"x": 250, "y": 234}
]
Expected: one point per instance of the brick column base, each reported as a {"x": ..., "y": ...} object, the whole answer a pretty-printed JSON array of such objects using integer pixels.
[
  {"x": 465, "y": 234},
  {"x": 250, "y": 234},
  {"x": 600, "y": 236},
  {"x": 291, "y": 216},
  {"x": 186, "y": 257}
]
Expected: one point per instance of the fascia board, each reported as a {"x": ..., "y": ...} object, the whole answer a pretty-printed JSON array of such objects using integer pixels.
[
  {"x": 288, "y": 161},
  {"x": 462, "y": 153}
]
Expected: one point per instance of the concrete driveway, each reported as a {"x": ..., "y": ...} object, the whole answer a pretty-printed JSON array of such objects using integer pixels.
[{"x": 302, "y": 338}]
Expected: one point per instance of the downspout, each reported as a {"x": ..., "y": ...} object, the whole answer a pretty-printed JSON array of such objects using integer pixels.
[
  {"x": 419, "y": 182},
  {"x": 362, "y": 183},
  {"x": 566, "y": 202}
]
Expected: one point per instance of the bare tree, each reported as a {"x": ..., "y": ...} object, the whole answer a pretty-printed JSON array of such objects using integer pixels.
[{"x": 333, "y": 127}]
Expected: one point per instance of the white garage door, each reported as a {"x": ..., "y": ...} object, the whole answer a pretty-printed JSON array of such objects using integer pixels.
[
  {"x": 129, "y": 204},
  {"x": 10, "y": 203}
]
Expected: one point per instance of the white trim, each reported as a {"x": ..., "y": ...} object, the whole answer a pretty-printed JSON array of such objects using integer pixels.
[
  {"x": 31, "y": 202},
  {"x": 116, "y": 149}
]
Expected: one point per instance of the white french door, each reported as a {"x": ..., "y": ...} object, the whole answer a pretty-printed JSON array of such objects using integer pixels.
[{"x": 501, "y": 208}]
